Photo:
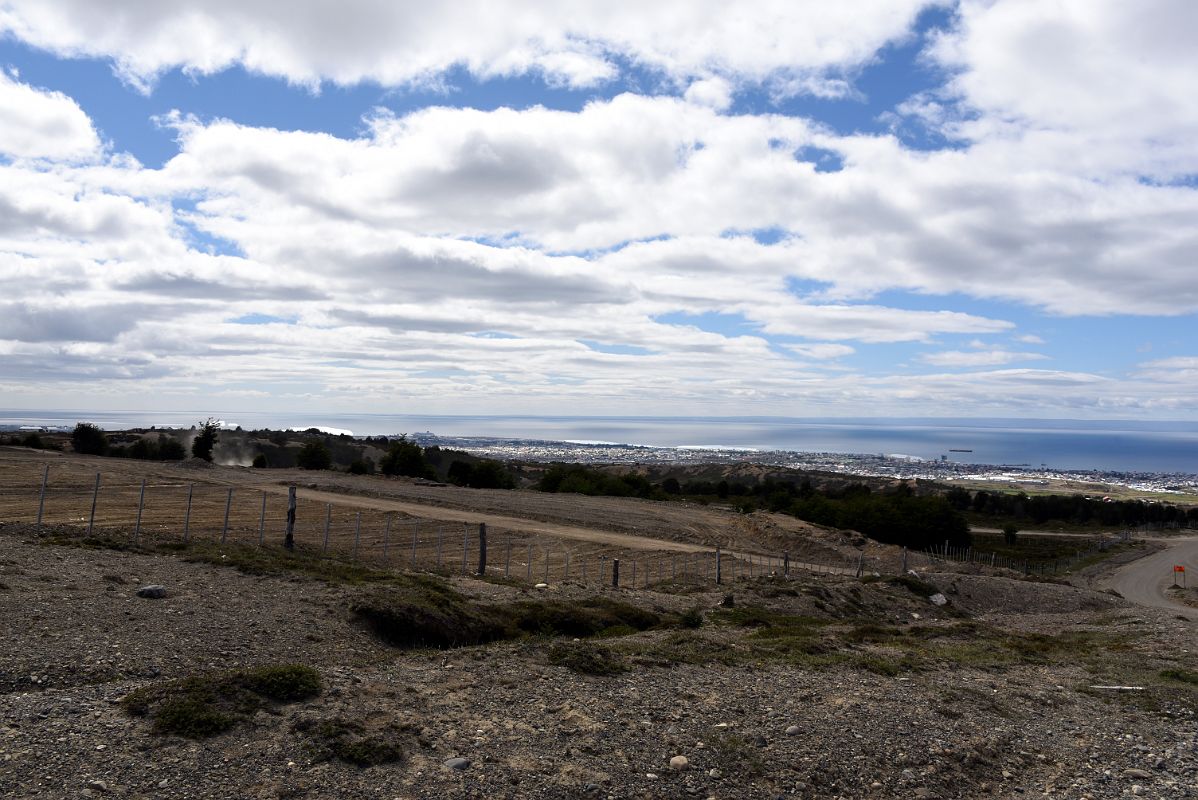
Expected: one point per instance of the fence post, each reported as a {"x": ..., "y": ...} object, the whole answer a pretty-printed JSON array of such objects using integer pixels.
[
  {"x": 262, "y": 521},
  {"x": 582, "y": 560},
  {"x": 415, "y": 535},
  {"x": 528, "y": 577},
  {"x": 41, "y": 499},
  {"x": 905, "y": 561},
  {"x": 224, "y": 531},
  {"x": 786, "y": 565},
  {"x": 860, "y": 562},
  {"x": 440, "y": 542},
  {"x": 91, "y": 520},
  {"x": 289, "y": 538},
  {"x": 633, "y": 583},
  {"x": 566, "y": 569},
  {"x": 546, "y": 565},
  {"x": 615, "y": 573},
  {"x": 465, "y": 545},
  {"x": 328, "y": 521},
  {"x": 507, "y": 561},
  {"x": 673, "y": 567},
  {"x": 482, "y": 548},
  {"x": 187, "y": 515},
  {"x": 719, "y": 576},
  {"x": 387, "y": 538},
  {"x": 141, "y": 502},
  {"x": 357, "y": 534}
]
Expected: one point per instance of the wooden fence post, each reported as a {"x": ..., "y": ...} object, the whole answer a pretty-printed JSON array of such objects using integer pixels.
[
  {"x": 440, "y": 541},
  {"x": 482, "y": 548},
  {"x": 141, "y": 502},
  {"x": 786, "y": 565},
  {"x": 387, "y": 538},
  {"x": 187, "y": 515},
  {"x": 528, "y": 577},
  {"x": 415, "y": 537},
  {"x": 615, "y": 573},
  {"x": 719, "y": 576},
  {"x": 91, "y": 520},
  {"x": 41, "y": 499},
  {"x": 507, "y": 561},
  {"x": 566, "y": 569},
  {"x": 633, "y": 583},
  {"x": 860, "y": 562},
  {"x": 225, "y": 528},
  {"x": 904, "y": 571},
  {"x": 357, "y": 534},
  {"x": 289, "y": 537},
  {"x": 546, "y": 565}
]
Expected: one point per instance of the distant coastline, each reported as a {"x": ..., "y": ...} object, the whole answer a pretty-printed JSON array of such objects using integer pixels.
[{"x": 1117, "y": 450}]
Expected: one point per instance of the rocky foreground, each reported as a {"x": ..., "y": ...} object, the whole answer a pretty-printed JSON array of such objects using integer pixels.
[{"x": 820, "y": 686}]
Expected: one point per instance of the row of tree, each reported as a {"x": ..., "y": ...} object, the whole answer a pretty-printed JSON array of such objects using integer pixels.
[{"x": 1073, "y": 509}]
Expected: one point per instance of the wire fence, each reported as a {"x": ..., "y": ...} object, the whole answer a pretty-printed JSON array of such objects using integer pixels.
[{"x": 130, "y": 507}]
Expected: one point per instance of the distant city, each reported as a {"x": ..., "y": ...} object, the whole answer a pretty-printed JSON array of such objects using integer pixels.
[{"x": 865, "y": 464}]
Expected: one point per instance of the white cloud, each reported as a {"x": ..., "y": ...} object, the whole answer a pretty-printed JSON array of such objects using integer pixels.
[
  {"x": 822, "y": 350},
  {"x": 794, "y": 43},
  {"x": 35, "y": 123},
  {"x": 977, "y": 358},
  {"x": 1028, "y": 338}
]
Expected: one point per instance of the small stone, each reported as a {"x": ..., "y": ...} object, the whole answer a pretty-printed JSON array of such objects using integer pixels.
[
  {"x": 651, "y": 776},
  {"x": 162, "y": 784},
  {"x": 457, "y": 763},
  {"x": 713, "y": 773},
  {"x": 679, "y": 763},
  {"x": 938, "y": 599},
  {"x": 1137, "y": 789},
  {"x": 793, "y": 730},
  {"x": 98, "y": 786},
  {"x": 541, "y": 586},
  {"x": 153, "y": 591},
  {"x": 1137, "y": 773},
  {"x": 591, "y": 787}
]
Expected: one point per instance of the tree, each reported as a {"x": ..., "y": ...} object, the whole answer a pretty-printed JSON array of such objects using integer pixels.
[
  {"x": 206, "y": 439},
  {"x": 361, "y": 466},
  {"x": 314, "y": 455},
  {"x": 671, "y": 486},
  {"x": 1010, "y": 534},
  {"x": 405, "y": 457},
  {"x": 259, "y": 462},
  {"x": 170, "y": 449},
  {"x": 34, "y": 441},
  {"x": 89, "y": 439}
]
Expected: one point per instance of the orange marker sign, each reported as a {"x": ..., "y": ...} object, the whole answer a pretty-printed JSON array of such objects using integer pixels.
[{"x": 1178, "y": 568}]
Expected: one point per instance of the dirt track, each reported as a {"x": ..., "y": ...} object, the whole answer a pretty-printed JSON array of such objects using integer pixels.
[{"x": 1145, "y": 580}]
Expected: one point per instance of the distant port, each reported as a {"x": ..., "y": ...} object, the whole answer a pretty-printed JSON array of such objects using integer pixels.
[{"x": 955, "y": 450}]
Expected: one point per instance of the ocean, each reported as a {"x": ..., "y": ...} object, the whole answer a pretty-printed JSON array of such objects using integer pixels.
[{"x": 1104, "y": 445}]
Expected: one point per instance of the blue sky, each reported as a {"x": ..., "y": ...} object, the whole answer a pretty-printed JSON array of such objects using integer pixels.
[{"x": 902, "y": 208}]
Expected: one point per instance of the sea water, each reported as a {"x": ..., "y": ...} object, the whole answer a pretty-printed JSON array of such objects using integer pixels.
[{"x": 1113, "y": 445}]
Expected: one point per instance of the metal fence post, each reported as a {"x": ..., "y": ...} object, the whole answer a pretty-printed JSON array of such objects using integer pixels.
[
  {"x": 41, "y": 498},
  {"x": 482, "y": 548},
  {"x": 262, "y": 521},
  {"x": 187, "y": 515},
  {"x": 719, "y": 575},
  {"x": 141, "y": 502},
  {"x": 224, "y": 531},
  {"x": 289, "y": 537},
  {"x": 328, "y": 520},
  {"x": 91, "y": 520},
  {"x": 465, "y": 545}
]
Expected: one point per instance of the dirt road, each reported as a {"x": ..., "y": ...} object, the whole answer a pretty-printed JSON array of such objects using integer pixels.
[{"x": 1145, "y": 580}]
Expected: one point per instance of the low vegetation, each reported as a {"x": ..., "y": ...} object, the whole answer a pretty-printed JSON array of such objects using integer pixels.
[
  {"x": 349, "y": 741},
  {"x": 200, "y": 706}
]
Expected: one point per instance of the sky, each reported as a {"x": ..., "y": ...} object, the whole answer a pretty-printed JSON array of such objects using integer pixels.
[{"x": 790, "y": 208}]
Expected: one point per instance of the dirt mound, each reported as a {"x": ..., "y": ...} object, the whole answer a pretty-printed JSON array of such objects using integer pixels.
[
  {"x": 988, "y": 594},
  {"x": 195, "y": 463}
]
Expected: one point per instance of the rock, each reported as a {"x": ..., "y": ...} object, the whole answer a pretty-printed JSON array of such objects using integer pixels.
[
  {"x": 1137, "y": 773},
  {"x": 541, "y": 586},
  {"x": 457, "y": 763},
  {"x": 97, "y": 786},
  {"x": 938, "y": 599},
  {"x": 153, "y": 591},
  {"x": 591, "y": 787},
  {"x": 713, "y": 773},
  {"x": 793, "y": 730},
  {"x": 680, "y": 763}
]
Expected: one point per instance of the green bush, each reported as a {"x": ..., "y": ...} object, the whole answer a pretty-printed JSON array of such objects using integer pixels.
[
  {"x": 314, "y": 455},
  {"x": 88, "y": 439},
  {"x": 586, "y": 658}
]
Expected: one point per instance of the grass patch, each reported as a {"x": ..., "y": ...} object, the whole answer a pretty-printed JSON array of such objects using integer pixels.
[
  {"x": 1181, "y": 676},
  {"x": 586, "y": 658},
  {"x": 915, "y": 585},
  {"x": 735, "y": 755},
  {"x": 423, "y": 611},
  {"x": 207, "y": 705},
  {"x": 579, "y": 618},
  {"x": 348, "y": 741}
]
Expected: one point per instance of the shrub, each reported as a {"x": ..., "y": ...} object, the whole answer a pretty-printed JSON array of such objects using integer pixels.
[
  {"x": 405, "y": 457},
  {"x": 88, "y": 439},
  {"x": 586, "y": 658},
  {"x": 34, "y": 441},
  {"x": 314, "y": 455},
  {"x": 361, "y": 466},
  {"x": 347, "y": 741},
  {"x": 259, "y": 462}
]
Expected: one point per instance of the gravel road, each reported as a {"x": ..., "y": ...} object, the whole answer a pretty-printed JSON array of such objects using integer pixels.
[{"x": 1145, "y": 580}]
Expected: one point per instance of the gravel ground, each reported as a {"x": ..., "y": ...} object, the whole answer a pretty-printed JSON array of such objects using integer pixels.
[{"x": 78, "y": 639}]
